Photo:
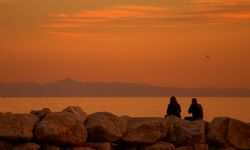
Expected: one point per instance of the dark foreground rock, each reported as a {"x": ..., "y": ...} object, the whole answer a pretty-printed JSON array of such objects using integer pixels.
[
  {"x": 26, "y": 146},
  {"x": 227, "y": 132},
  {"x": 62, "y": 128},
  {"x": 160, "y": 146},
  {"x": 17, "y": 126},
  {"x": 184, "y": 133},
  {"x": 66, "y": 130},
  {"x": 105, "y": 127},
  {"x": 77, "y": 111},
  {"x": 145, "y": 130},
  {"x": 41, "y": 113}
]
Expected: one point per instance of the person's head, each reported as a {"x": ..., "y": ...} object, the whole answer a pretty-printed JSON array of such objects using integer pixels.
[
  {"x": 194, "y": 101},
  {"x": 173, "y": 100}
]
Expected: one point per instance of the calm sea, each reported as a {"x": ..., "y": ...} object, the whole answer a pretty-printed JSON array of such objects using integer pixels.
[{"x": 238, "y": 108}]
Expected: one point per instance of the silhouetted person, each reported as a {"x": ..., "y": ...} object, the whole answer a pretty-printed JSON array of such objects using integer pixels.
[
  {"x": 196, "y": 110},
  {"x": 174, "y": 108}
]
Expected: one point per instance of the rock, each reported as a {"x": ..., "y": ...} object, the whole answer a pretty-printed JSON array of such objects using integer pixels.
[
  {"x": 185, "y": 148},
  {"x": 61, "y": 128},
  {"x": 201, "y": 147},
  {"x": 238, "y": 134},
  {"x": 227, "y": 132},
  {"x": 160, "y": 146},
  {"x": 26, "y": 146},
  {"x": 4, "y": 145},
  {"x": 185, "y": 133},
  {"x": 80, "y": 148},
  {"x": 105, "y": 127},
  {"x": 17, "y": 126},
  {"x": 217, "y": 130},
  {"x": 41, "y": 113},
  {"x": 50, "y": 147},
  {"x": 145, "y": 130},
  {"x": 228, "y": 148},
  {"x": 76, "y": 110},
  {"x": 99, "y": 145},
  {"x": 126, "y": 147}
]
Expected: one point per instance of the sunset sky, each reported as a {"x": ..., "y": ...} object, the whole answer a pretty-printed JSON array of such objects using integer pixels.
[{"x": 176, "y": 43}]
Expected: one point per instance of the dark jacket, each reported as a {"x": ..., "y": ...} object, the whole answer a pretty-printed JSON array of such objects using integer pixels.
[
  {"x": 174, "y": 109},
  {"x": 196, "y": 110}
]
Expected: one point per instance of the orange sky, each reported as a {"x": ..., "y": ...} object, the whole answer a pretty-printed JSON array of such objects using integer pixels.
[{"x": 161, "y": 42}]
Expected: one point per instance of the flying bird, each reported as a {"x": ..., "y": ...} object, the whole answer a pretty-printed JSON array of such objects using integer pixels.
[{"x": 208, "y": 57}]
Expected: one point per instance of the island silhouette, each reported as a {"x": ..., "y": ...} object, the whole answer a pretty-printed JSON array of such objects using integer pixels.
[{"x": 72, "y": 88}]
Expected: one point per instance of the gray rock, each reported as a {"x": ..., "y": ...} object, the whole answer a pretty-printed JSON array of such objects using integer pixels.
[
  {"x": 41, "y": 113},
  {"x": 99, "y": 145},
  {"x": 4, "y": 145},
  {"x": 160, "y": 146},
  {"x": 17, "y": 126},
  {"x": 26, "y": 146},
  {"x": 185, "y": 133},
  {"x": 105, "y": 127},
  {"x": 76, "y": 110},
  {"x": 145, "y": 130},
  {"x": 50, "y": 147},
  {"x": 228, "y": 132},
  {"x": 62, "y": 128}
]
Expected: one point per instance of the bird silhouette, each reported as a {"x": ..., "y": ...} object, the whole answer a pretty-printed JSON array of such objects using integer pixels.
[{"x": 208, "y": 57}]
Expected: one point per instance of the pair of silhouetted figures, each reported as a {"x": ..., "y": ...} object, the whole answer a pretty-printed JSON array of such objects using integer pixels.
[{"x": 195, "y": 109}]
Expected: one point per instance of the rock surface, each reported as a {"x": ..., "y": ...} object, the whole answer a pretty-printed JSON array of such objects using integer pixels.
[
  {"x": 145, "y": 130},
  {"x": 105, "y": 127},
  {"x": 76, "y": 110},
  {"x": 50, "y": 147},
  {"x": 26, "y": 146},
  {"x": 99, "y": 145},
  {"x": 62, "y": 128},
  {"x": 17, "y": 126},
  {"x": 80, "y": 148},
  {"x": 41, "y": 113},
  {"x": 226, "y": 132},
  {"x": 184, "y": 133},
  {"x": 160, "y": 146}
]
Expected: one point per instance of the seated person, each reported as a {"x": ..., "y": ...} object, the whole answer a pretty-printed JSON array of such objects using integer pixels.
[
  {"x": 174, "y": 108},
  {"x": 196, "y": 110}
]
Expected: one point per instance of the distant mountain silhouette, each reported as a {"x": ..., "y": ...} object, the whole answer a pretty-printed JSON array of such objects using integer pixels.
[{"x": 72, "y": 88}]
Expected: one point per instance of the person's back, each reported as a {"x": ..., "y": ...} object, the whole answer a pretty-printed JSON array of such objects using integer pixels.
[
  {"x": 174, "y": 108},
  {"x": 196, "y": 110}
]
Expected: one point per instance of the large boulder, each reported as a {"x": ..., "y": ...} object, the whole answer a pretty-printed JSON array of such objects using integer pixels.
[
  {"x": 26, "y": 146},
  {"x": 184, "y": 133},
  {"x": 105, "y": 127},
  {"x": 41, "y": 113},
  {"x": 17, "y": 126},
  {"x": 194, "y": 147},
  {"x": 62, "y": 128},
  {"x": 144, "y": 130},
  {"x": 99, "y": 145},
  {"x": 76, "y": 110},
  {"x": 160, "y": 146},
  {"x": 227, "y": 132},
  {"x": 50, "y": 147}
]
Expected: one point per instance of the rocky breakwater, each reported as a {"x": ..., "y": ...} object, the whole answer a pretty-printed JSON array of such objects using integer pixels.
[{"x": 73, "y": 129}]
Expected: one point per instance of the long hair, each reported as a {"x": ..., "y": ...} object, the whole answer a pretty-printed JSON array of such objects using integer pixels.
[{"x": 173, "y": 100}]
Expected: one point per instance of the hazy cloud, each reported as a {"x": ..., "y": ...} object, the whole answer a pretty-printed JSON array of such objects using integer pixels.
[{"x": 210, "y": 12}]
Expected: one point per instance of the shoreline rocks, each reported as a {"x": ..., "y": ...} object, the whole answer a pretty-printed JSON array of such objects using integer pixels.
[{"x": 73, "y": 129}]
